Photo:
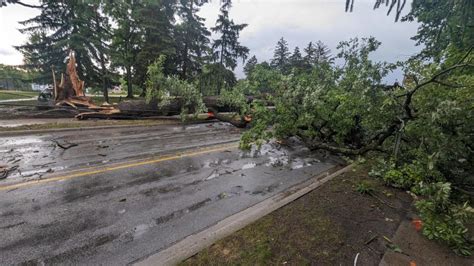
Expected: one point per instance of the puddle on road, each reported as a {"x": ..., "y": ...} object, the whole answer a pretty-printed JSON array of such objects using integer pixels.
[
  {"x": 140, "y": 230},
  {"x": 18, "y": 152},
  {"x": 16, "y": 141}
]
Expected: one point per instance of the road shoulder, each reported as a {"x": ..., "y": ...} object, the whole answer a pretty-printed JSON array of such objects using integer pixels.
[
  {"x": 196, "y": 242},
  {"x": 333, "y": 224}
]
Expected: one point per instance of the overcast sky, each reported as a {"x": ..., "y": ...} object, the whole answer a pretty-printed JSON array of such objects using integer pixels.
[{"x": 298, "y": 21}]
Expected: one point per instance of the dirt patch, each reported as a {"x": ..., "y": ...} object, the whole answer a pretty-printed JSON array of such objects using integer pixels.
[{"x": 328, "y": 226}]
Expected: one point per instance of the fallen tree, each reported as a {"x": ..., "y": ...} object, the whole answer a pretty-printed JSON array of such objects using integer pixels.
[
  {"x": 417, "y": 135},
  {"x": 69, "y": 92}
]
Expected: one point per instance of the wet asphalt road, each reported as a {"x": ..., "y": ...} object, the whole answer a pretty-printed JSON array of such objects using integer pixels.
[{"x": 117, "y": 215}]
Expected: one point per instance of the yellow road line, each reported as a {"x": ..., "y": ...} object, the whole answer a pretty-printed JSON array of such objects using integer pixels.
[{"x": 114, "y": 168}]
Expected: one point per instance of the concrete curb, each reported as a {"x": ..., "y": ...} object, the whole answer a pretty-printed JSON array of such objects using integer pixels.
[
  {"x": 196, "y": 242},
  {"x": 52, "y": 130},
  {"x": 15, "y": 133}
]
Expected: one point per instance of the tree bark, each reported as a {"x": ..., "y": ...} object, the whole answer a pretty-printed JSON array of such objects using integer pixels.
[
  {"x": 129, "y": 82},
  {"x": 104, "y": 79}
]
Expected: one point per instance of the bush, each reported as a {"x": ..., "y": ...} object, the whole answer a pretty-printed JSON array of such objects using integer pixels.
[
  {"x": 163, "y": 89},
  {"x": 443, "y": 219},
  {"x": 420, "y": 131},
  {"x": 364, "y": 188}
]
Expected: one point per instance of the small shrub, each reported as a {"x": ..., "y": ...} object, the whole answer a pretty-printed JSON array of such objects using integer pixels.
[
  {"x": 444, "y": 220},
  {"x": 163, "y": 89},
  {"x": 364, "y": 188}
]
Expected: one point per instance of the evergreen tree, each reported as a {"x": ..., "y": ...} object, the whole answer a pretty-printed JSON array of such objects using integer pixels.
[
  {"x": 281, "y": 55},
  {"x": 126, "y": 41},
  {"x": 156, "y": 20},
  {"x": 250, "y": 65},
  {"x": 316, "y": 54},
  {"x": 64, "y": 26},
  {"x": 296, "y": 60},
  {"x": 323, "y": 53},
  {"x": 310, "y": 54},
  {"x": 192, "y": 39},
  {"x": 227, "y": 48},
  {"x": 98, "y": 46}
]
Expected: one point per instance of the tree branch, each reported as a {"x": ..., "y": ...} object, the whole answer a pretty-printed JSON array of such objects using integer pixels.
[
  {"x": 375, "y": 143},
  {"x": 23, "y": 4}
]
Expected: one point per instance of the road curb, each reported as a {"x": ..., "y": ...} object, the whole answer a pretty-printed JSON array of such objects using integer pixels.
[
  {"x": 54, "y": 130},
  {"x": 192, "y": 244}
]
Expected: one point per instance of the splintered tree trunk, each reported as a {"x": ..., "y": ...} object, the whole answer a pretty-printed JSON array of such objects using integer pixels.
[
  {"x": 71, "y": 72},
  {"x": 70, "y": 91}
]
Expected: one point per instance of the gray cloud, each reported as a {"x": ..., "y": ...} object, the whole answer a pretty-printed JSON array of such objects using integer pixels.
[
  {"x": 302, "y": 21},
  {"x": 5, "y": 52},
  {"x": 298, "y": 21}
]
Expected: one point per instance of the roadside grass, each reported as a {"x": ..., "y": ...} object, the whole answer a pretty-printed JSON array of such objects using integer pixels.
[
  {"x": 328, "y": 226},
  {"x": 13, "y": 95}
]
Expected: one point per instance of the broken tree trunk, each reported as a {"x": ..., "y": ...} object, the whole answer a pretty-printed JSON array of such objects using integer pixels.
[
  {"x": 235, "y": 120},
  {"x": 70, "y": 90}
]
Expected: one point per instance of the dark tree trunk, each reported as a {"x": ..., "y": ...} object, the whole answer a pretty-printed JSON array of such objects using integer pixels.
[
  {"x": 129, "y": 83},
  {"x": 104, "y": 79},
  {"x": 185, "y": 62},
  {"x": 106, "y": 92}
]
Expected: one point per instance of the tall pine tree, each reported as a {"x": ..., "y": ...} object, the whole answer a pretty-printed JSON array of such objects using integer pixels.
[
  {"x": 310, "y": 54},
  {"x": 64, "y": 26},
  {"x": 250, "y": 65},
  {"x": 281, "y": 55},
  {"x": 126, "y": 41},
  {"x": 296, "y": 60},
  {"x": 192, "y": 39},
  {"x": 156, "y": 20},
  {"x": 227, "y": 48},
  {"x": 316, "y": 54},
  {"x": 323, "y": 53}
]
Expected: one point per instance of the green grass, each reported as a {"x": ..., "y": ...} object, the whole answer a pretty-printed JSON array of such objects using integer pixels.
[
  {"x": 13, "y": 95},
  {"x": 298, "y": 233}
]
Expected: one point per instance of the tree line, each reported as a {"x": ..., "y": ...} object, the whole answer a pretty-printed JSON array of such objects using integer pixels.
[
  {"x": 111, "y": 38},
  {"x": 284, "y": 61}
]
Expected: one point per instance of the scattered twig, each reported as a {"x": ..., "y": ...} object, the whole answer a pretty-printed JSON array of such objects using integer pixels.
[
  {"x": 370, "y": 240},
  {"x": 384, "y": 202},
  {"x": 66, "y": 145},
  {"x": 5, "y": 171}
]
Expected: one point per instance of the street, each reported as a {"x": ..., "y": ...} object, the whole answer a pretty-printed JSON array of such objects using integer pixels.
[{"x": 114, "y": 196}]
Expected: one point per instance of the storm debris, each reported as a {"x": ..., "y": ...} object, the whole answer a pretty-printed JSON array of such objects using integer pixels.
[
  {"x": 5, "y": 170},
  {"x": 65, "y": 144}
]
